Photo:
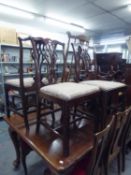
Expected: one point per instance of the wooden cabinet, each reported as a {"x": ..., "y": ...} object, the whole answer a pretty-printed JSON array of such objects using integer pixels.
[{"x": 106, "y": 60}]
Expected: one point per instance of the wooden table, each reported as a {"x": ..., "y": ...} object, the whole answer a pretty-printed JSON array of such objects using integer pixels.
[{"x": 49, "y": 147}]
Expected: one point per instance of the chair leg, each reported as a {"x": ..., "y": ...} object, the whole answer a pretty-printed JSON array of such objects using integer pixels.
[
  {"x": 74, "y": 116},
  {"x": 47, "y": 172},
  {"x": 106, "y": 168},
  {"x": 123, "y": 158},
  {"x": 38, "y": 115},
  {"x": 26, "y": 119},
  {"x": 119, "y": 164},
  {"x": 53, "y": 115},
  {"x": 25, "y": 113},
  {"x": 15, "y": 140},
  {"x": 7, "y": 101}
]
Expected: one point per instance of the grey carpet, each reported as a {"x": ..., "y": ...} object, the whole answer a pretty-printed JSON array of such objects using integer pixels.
[{"x": 7, "y": 155}]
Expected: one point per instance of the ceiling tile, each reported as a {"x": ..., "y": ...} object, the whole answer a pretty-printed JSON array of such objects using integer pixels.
[
  {"x": 85, "y": 11},
  {"x": 56, "y": 6},
  {"x": 105, "y": 21},
  {"x": 112, "y": 4},
  {"x": 124, "y": 14}
]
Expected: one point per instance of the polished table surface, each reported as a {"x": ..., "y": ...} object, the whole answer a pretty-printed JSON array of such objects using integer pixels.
[{"x": 49, "y": 147}]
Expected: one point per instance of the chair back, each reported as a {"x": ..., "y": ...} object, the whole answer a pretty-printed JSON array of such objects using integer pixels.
[
  {"x": 58, "y": 68},
  {"x": 81, "y": 61},
  {"x": 100, "y": 143},
  {"x": 50, "y": 61},
  {"x": 126, "y": 133},
  {"x": 92, "y": 164},
  {"x": 23, "y": 53},
  {"x": 115, "y": 138}
]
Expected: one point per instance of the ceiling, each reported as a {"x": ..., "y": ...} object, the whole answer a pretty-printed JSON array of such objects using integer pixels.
[{"x": 99, "y": 17}]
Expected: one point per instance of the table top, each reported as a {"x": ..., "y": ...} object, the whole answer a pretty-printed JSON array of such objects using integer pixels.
[{"x": 49, "y": 146}]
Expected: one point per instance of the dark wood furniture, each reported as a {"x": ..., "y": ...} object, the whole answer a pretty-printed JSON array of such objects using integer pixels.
[
  {"x": 113, "y": 96},
  {"x": 80, "y": 69},
  {"x": 66, "y": 94},
  {"x": 128, "y": 82},
  {"x": 93, "y": 164},
  {"x": 25, "y": 88},
  {"x": 110, "y": 66},
  {"x": 114, "y": 146},
  {"x": 21, "y": 148},
  {"x": 81, "y": 62},
  {"x": 126, "y": 136},
  {"x": 50, "y": 147}
]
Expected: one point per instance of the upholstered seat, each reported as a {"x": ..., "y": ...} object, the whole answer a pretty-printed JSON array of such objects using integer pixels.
[
  {"x": 113, "y": 95},
  {"x": 105, "y": 85},
  {"x": 28, "y": 82},
  {"x": 68, "y": 90}
]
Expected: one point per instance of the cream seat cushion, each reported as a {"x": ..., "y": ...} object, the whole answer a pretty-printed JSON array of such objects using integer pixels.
[
  {"x": 104, "y": 85},
  {"x": 28, "y": 82},
  {"x": 69, "y": 90}
]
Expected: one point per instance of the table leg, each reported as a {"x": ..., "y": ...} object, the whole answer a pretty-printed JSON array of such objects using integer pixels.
[
  {"x": 25, "y": 150},
  {"x": 15, "y": 140}
]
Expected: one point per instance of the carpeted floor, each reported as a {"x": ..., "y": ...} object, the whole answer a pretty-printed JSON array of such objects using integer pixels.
[
  {"x": 7, "y": 155},
  {"x": 34, "y": 162}
]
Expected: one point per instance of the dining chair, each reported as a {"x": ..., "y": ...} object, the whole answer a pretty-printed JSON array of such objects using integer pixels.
[
  {"x": 126, "y": 136},
  {"x": 20, "y": 92},
  {"x": 20, "y": 98},
  {"x": 113, "y": 96},
  {"x": 93, "y": 164},
  {"x": 114, "y": 146},
  {"x": 65, "y": 94},
  {"x": 50, "y": 66},
  {"x": 44, "y": 65},
  {"x": 81, "y": 64}
]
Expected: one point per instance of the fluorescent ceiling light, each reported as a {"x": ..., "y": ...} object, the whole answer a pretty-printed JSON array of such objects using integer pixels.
[
  {"x": 66, "y": 26},
  {"x": 15, "y": 12},
  {"x": 129, "y": 7},
  {"x": 112, "y": 41},
  {"x": 34, "y": 31},
  {"x": 27, "y": 6},
  {"x": 59, "y": 17},
  {"x": 108, "y": 42},
  {"x": 66, "y": 19}
]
